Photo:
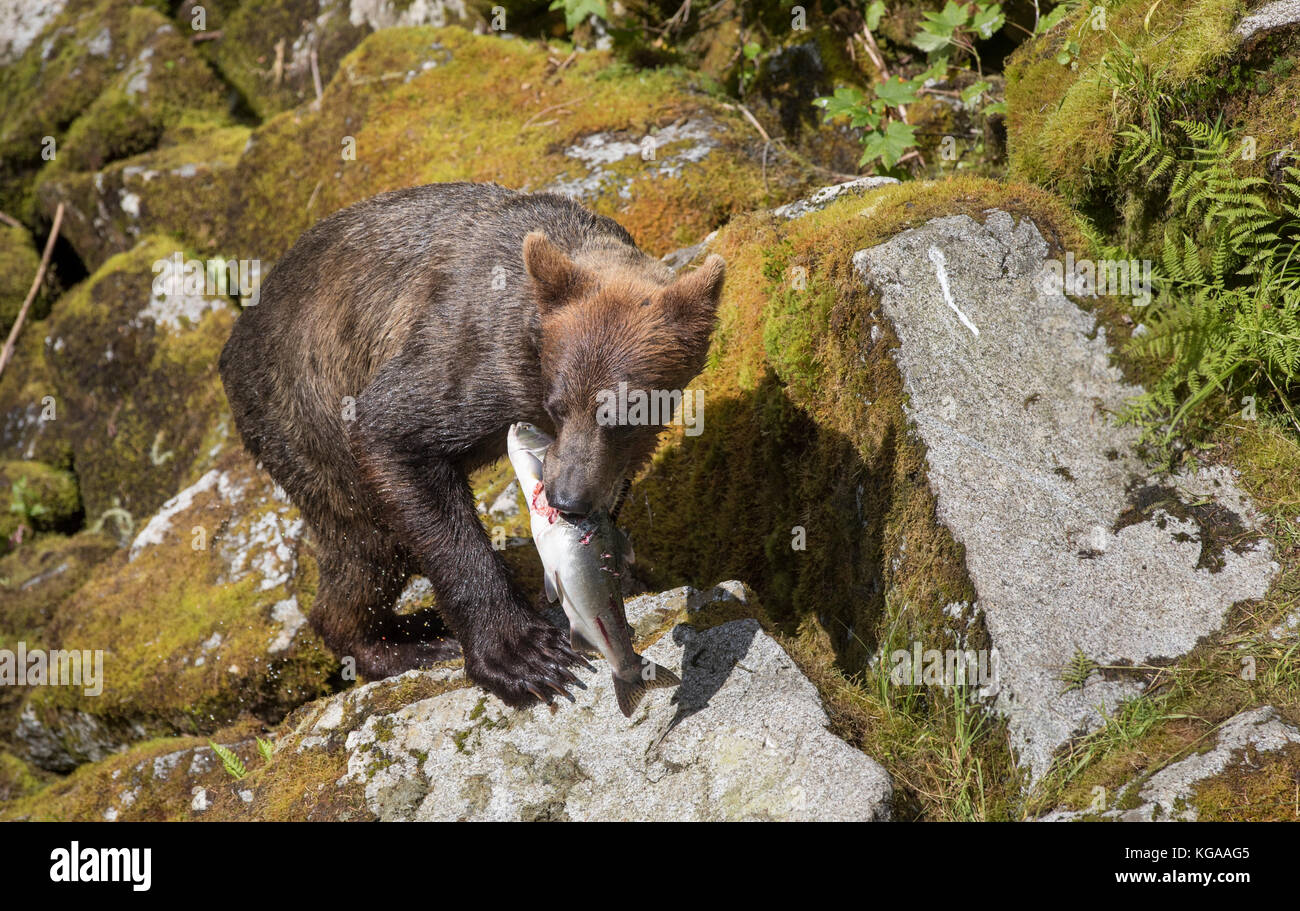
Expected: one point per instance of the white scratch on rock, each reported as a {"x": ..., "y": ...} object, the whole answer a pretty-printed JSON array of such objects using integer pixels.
[{"x": 940, "y": 269}]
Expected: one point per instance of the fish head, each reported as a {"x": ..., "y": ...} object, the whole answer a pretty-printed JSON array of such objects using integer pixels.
[{"x": 526, "y": 445}]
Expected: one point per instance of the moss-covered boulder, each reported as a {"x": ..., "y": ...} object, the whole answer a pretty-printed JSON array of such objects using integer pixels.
[
  {"x": 34, "y": 579},
  {"x": 38, "y": 498},
  {"x": 18, "y": 779},
  {"x": 133, "y": 364},
  {"x": 179, "y": 190},
  {"x": 1074, "y": 91},
  {"x": 18, "y": 264},
  {"x": 201, "y": 621},
  {"x": 1246, "y": 772},
  {"x": 266, "y": 46},
  {"x": 419, "y": 105},
  {"x": 104, "y": 79},
  {"x": 29, "y": 404},
  {"x": 427, "y": 745}
]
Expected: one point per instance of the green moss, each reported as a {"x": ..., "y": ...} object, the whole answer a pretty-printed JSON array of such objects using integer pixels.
[
  {"x": 37, "y": 576},
  {"x": 17, "y": 778},
  {"x": 1062, "y": 119},
  {"x": 137, "y": 397},
  {"x": 29, "y": 404},
  {"x": 247, "y": 53},
  {"x": 177, "y": 190},
  {"x": 18, "y": 264},
  {"x": 53, "y": 91},
  {"x": 166, "y": 85},
  {"x": 426, "y": 104},
  {"x": 36, "y": 498},
  {"x": 186, "y": 628},
  {"x": 155, "y": 781},
  {"x": 1261, "y": 787}
]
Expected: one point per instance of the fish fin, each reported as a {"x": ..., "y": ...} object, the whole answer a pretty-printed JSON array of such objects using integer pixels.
[
  {"x": 552, "y": 593},
  {"x": 579, "y": 642},
  {"x": 629, "y": 692}
]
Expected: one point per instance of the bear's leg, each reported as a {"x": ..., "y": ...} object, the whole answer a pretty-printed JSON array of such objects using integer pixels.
[
  {"x": 509, "y": 650},
  {"x": 353, "y": 613}
]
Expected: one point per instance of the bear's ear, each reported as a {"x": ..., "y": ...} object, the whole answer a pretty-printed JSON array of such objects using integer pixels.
[
  {"x": 695, "y": 294},
  {"x": 556, "y": 278}
]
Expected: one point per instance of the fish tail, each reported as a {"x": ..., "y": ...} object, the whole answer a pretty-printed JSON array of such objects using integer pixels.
[{"x": 652, "y": 677}]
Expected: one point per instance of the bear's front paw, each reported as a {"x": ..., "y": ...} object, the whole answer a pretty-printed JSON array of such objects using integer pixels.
[{"x": 524, "y": 662}]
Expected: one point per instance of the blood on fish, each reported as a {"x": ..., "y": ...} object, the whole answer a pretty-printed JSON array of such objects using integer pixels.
[
  {"x": 539, "y": 504},
  {"x": 605, "y": 635}
]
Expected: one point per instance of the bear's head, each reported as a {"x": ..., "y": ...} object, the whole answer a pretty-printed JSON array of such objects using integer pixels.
[{"x": 618, "y": 347}]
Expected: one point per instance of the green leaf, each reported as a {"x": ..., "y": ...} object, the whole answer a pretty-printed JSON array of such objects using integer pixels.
[
  {"x": 929, "y": 41},
  {"x": 843, "y": 103},
  {"x": 972, "y": 93},
  {"x": 874, "y": 11},
  {"x": 1049, "y": 22},
  {"x": 890, "y": 145},
  {"x": 752, "y": 50},
  {"x": 577, "y": 11},
  {"x": 988, "y": 19},
  {"x": 266, "y": 748},
  {"x": 229, "y": 761},
  {"x": 937, "y": 29},
  {"x": 895, "y": 91}
]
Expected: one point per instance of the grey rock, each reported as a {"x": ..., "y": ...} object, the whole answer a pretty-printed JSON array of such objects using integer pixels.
[
  {"x": 1167, "y": 795},
  {"x": 603, "y": 158},
  {"x": 744, "y": 737},
  {"x": 1010, "y": 385},
  {"x": 1278, "y": 14},
  {"x": 827, "y": 195},
  {"x": 21, "y": 22},
  {"x": 686, "y": 255},
  {"x": 506, "y": 503}
]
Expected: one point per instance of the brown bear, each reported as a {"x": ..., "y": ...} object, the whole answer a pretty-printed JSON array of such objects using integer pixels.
[{"x": 390, "y": 351}]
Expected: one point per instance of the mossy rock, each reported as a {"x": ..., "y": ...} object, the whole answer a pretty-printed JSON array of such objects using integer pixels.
[
  {"x": 265, "y": 48},
  {"x": 1062, "y": 117},
  {"x": 135, "y": 375},
  {"x": 103, "y": 79},
  {"x": 18, "y": 264},
  {"x": 1261, "y": 787},
  {"x": 182, "y": 778},
  {"x": 36, "y": 577},
  {"x": 201, "y": 621},
  {"x": 39, "y": 498},
  {"x": 29, "y": 405},
  {"x": 808, "y": 482},
  {"x": 177, "y": 190},
  {"x": 161, "y": 780},
  {"x": 421, "y": 105},
  {"x": 18, "y": 779}
]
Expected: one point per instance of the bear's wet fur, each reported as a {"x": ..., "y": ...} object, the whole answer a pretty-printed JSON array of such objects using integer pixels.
[{"x": 391, "y": 349}]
